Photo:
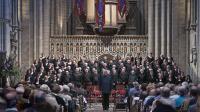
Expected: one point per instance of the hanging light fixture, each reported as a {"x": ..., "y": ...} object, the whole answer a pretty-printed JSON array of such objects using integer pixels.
[
  {"x": 111, "y": 13},
  {"x": 90, "y": 11},
  {"x": 106, "y": 16}
]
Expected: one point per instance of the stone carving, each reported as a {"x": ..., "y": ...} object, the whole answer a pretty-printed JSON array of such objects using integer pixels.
[{"x": 92, "y": 46}]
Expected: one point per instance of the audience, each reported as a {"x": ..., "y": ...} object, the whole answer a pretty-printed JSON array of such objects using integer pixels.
[{"x": 56, "y": 84}]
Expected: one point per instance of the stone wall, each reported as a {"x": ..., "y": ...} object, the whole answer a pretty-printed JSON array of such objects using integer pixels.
[
  {"x": 194, "y": 39},
  {"x": 164, "y": 21},
  {"x": 35, "y": 21},
  {"x": 167, "y": 30},
  {"x": 179, "y": 50}
]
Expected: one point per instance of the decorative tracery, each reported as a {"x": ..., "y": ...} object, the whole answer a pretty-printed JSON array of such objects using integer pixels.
[{"x": 92, "y": 46}]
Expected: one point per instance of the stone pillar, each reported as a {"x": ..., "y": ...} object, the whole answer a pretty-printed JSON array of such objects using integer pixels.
[
  {"x": 9, "y": 10},
  {"x": 163, "y": 27},
  {"x": 52, "y": 16},
  {"x": 181, "y": 38},
  {"x": 35, "y": 26},
  {"x": 187, "y": 37},
  {"x": 46, "y": 22},
  {"x": 25, "y": 38},
  {"x": 157, "y": 28},
  {"x": 151, "y": 33},
  {"x": 1, "y": 25},
  {"x": 40, "y": 27},
  {"x": 140, "y": 16},
  {"x": 198, "y": 39},
  {"x": 19, "y": 35},
  {"x": 176, "y": 22},
  {"x": 64, "y": 14},
  {"x": 146, "y": 16},
  {"x": 57, "y": 17},
  {"x": 169, "y": 27}
]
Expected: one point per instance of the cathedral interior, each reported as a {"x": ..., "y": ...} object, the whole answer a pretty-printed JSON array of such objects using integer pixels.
[{"x": 95, "y": 29}]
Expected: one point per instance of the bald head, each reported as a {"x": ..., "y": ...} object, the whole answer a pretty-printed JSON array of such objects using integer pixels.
[{"x": 152, "y": 92}]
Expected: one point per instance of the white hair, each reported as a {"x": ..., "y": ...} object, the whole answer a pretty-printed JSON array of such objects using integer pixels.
[{"x": 45, "y": 87}]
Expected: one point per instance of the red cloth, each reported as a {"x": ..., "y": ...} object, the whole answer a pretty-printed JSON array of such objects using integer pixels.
[{"x": 121, "y": 92}]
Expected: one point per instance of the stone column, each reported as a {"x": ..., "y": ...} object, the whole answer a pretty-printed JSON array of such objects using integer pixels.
[
  {"x": 19, "y": 35},
  {"x": 40, "y": 27},
  {"x": 146, "y": 16},
  {"x": 1, "y": 25},
  {"x": 151, "y": 33},
  {"x": 8, "y": 11},
  {"x": 57, "y": 17},
  {"x": 25, "y": 38},
  {"x": 157, "y": 28},
  {"x": 169, "y": 27},
  {"x": 163, "y": 27},
  {"x": 198, "y": 38},
  {"x": 46, "y": 22},
  {"x": 52, "y": 16},
  {"x": 35, "y": 26},
  {"x": 64, "y": 17}
]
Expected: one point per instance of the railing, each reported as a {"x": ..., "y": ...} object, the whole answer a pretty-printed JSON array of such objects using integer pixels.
[{"x": 92, "y": 46}]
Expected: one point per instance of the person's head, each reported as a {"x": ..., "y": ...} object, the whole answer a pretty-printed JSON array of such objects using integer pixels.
[
  {"x": 150, "y": 54},
  {"x": 135, "y": 85},
  {"x": 142, "y": 70},
  {"x": 165, "y": 92},
  {"x": 105, "y": 65},
  {"x": 151, "y": 71},
  {"x": 10, "y": 95},
  {"x": 182, "y": 91},
  {"x": 111, "y": 61},
  {"x": 128, "y": 61},
  {"x": 105, "y": 58},
  {"x": 188, "y": 77},
  {"x": 152, "y": 92},
  {"x": 158, "y": 91},
  {"x": 161, "y": 56},
  {"x": 77, "y": 70},
  {"x": 113, "y": 66},
  {"x": 132, "y": 72},
  {"x": 69, "y": 67},
  {"x": 45, "y": 88},
  {"x": 27, "y": 92},
  {"x": 86, "y": 70},
  {"x": 107, "y": 72},
  {"x": 66, "y": 89},
  {"x": 194, "y": 91},
  {"x": 20, "y": 90},
  {"x": 186, "y": 85},
  {"x": 55, "y": 88},
  {"x": 114, "y": 71},
  {"x": 67, "y": 72},
  {"x": 123, "y": 69},
  {"x": 71, "y": 85},
  {"x": 143, "y": 86},
  {"x": 134, "y": 67},
  {"x": 37, "y": 97}
]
